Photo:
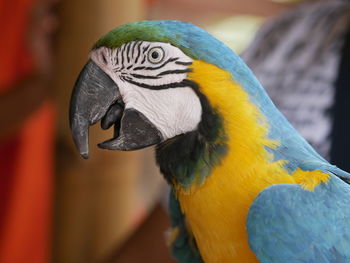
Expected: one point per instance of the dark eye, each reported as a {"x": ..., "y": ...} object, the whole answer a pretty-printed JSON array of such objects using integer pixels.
[{"x": 155, "y": 55}]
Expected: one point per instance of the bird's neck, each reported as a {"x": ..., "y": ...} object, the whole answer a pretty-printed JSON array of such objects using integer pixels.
[
  {"x": 188, "y": 159},
  {"x": 232, "y": 127},
  {"x": 240, "y": 172}
]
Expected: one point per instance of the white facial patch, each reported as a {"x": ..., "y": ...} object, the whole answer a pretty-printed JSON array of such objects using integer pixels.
[
  {"x": 173, "y": 111},
  {"x": 150, "y": 78}
]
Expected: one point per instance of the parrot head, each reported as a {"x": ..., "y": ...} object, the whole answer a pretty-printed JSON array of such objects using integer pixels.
[{"x": 143, "y": 78}]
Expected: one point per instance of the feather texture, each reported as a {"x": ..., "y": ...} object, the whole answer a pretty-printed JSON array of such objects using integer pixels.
[
  {"x": 246, "y": 186},
  {"x": 289, "y": 224}
]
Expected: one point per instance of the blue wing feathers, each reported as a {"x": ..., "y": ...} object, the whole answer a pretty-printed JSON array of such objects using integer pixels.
[{"x": 289, "y": 224}]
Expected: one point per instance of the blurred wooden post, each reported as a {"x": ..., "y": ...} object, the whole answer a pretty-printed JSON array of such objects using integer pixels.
[
  {"x": 95, "y": 198},
  {"x": 204, "y": 12}
]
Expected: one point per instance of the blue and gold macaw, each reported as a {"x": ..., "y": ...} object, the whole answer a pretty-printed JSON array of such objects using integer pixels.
[{"x": 246, "y": 187}]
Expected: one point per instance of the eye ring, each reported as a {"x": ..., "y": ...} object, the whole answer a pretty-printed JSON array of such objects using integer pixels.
[{"x": 155, "y": 55}]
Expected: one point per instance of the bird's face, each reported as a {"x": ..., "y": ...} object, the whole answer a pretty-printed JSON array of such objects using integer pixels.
[{"x": 139, "y": 87}]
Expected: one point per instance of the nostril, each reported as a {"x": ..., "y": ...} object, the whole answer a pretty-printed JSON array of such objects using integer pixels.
[{"x": 113, "y": 116}]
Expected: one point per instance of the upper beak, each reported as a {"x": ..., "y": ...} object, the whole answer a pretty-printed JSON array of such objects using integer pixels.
[
  {"x": 96, "y": 96},
  {"x": 94, "y": 92}
]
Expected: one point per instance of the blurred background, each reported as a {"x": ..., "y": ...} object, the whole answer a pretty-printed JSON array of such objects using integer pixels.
[{"x": 54, "y": 206}]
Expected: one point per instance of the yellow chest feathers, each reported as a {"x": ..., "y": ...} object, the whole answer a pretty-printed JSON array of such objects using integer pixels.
[{"x": 216, "y": 210}]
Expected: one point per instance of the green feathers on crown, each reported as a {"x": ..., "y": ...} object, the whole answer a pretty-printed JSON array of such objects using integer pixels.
[
  {"x": 138, "y": 31},
  {"x": 152, "y": 31}
]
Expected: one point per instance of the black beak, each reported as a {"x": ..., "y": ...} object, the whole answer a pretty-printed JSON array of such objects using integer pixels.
[
  {"x": 96, "y": 96},
  {"x": 94, "y": 92}
]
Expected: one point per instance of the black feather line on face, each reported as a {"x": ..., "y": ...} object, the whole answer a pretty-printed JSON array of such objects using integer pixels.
[
  {"x": 183, "y": 63},
  {"x": 139, "y": 68},
  {"x": 181, "y": 84},
  {"x": 122, "y": 55},
  {"x": 127, "y": 53},
  {"x": 144, "y": 76},
  {"x": 139, "y": 76},
  {"x": 176, "y": 71},
  {"x": 162, "y": 65},
  {"x": 104, "y": 58},
  {"x": 145, "y": 49},
  {"x": 117, "y": 57},
  {"x": 138, "y": 51},
  {"x": 132, "y": 50}
]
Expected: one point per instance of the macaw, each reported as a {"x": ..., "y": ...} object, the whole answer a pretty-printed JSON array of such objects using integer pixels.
[{"x": 246, "y": 187}]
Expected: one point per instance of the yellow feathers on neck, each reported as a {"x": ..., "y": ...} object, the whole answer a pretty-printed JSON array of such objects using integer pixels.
[{"x": 216, "y": 210}]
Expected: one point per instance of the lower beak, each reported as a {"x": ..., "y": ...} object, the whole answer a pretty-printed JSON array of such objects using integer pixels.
[{"x": 136, "y": 132}]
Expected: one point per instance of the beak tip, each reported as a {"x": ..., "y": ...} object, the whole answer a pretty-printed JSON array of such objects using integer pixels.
[
  {"x": 85, "y": 155},
  {"x": 112, "y": 144},
  {"x": 103, "y": 145}
]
